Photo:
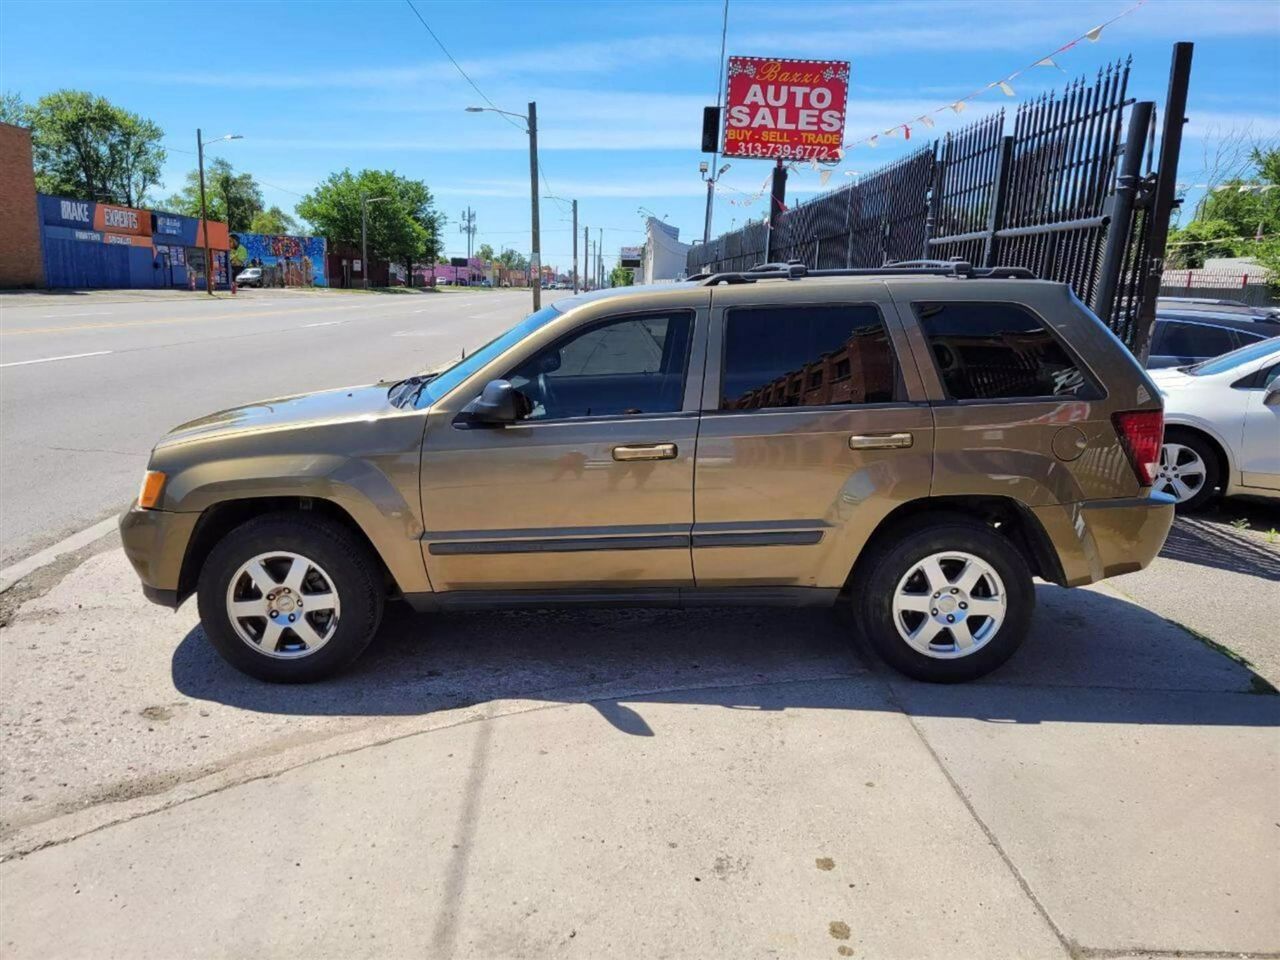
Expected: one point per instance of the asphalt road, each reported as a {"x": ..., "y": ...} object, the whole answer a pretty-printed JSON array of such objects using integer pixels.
[{"x": 88, "y": 384}]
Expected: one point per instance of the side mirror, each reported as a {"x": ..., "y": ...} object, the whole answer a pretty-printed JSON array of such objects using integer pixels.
[
  {"x": 1272, "y": 397},
  {"x": 498, "y": 404}
]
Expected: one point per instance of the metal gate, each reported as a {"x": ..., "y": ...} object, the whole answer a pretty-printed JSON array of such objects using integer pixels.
[{"x": 1068, "y": 195}]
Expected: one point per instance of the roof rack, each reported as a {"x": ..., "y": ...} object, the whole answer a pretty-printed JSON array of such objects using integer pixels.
[{"x": 795, "y": 270}]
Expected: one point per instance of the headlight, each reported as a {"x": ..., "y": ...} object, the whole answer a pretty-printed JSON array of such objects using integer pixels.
[{"x": 152, "y": 487}]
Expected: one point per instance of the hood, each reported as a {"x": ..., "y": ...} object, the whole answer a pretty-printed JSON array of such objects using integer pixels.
[
  {"x": 1168, "y": 377},
  {"x": 303, "y": 410}
]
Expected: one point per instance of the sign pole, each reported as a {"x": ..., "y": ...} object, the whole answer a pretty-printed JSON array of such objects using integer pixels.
[{"x": 777, "y": 204}]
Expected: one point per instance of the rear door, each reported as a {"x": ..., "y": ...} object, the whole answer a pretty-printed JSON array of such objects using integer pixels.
[{"x": 812, "y": 431}]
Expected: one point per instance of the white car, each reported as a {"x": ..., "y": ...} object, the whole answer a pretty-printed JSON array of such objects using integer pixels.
[{"x": 1221, "y": 426}]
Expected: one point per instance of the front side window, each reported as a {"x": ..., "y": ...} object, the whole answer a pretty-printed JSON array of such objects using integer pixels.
[
  {"x": 623, "y": 367},
  {"x": 999, "y": 351},
  {"x": 806, "y": 357}
]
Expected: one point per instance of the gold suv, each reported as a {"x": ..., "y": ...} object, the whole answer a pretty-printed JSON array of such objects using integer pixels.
[{"x": 918, "y": 442}]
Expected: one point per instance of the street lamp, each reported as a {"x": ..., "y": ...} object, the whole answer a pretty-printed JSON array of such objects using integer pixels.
[
  {"x": 204, "y": 210},
  {"x": 531, "y": 128},
  {"x": 703, "y": 169},
  {"x": 365, "y": 200},
  {"x": 575, "y": 237}
]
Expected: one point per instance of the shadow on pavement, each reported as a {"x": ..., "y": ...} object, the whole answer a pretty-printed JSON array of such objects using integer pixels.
[
  {"x": 1091, "y": 657},
  {"x": 1201, "y": 541}
]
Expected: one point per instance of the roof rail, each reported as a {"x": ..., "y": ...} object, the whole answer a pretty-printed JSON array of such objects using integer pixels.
[{"x": 795, "y": 270}]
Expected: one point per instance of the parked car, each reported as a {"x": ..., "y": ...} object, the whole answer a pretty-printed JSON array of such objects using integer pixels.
[
  {"x": 1185, "y": 336},
  {"x": 249, "y": 277},
  {"x": 1222, "y": 427},
  {"x": 917, "y": 445},
  {"x": 1201, "y": 304}
]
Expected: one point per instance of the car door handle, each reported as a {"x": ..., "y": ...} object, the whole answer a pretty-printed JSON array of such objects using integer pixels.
[
  {"x": 880, "y": 441},
  {"x": 653, "y": 451}
]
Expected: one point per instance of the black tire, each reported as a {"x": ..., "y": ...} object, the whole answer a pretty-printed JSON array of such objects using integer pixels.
[
  {"x": 896, "y": 555},
  {"x": 356, "y": 578},
  {"x": 1211, "y": 490}
]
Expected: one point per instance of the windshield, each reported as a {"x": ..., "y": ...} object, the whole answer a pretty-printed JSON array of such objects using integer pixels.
[
  {"x": 447, "y": 379},
  {"x": 1229, "y": 361}
]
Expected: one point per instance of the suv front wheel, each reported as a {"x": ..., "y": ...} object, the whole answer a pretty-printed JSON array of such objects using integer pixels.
[
  {"x": 290, "y": 599},
  {"x": 945, "y": 601}
]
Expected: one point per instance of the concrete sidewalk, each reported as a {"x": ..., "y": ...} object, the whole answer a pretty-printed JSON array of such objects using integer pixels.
[{"x": 640, "y": 784}]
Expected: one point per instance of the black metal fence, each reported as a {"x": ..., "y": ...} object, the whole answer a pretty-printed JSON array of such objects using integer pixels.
[{"x": 1067, "y": 194}]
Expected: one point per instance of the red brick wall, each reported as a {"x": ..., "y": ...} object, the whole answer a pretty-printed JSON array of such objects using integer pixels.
[{"x": 20, "y": 262}]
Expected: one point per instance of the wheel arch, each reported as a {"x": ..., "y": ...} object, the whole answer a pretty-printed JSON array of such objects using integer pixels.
[
  {"x": 1220, "y": 449},
  {"x": 221, "y": 518},
  {"x": 1006, "y": 516}
]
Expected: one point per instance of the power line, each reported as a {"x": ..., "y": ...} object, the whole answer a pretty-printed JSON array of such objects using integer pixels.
[{"x": 457, "y": 66}]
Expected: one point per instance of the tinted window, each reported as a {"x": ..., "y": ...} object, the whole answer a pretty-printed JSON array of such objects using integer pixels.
[
  {"x": 806, "y": 356},
  {"x": 989, "y": 351},
  {"x": 617, "y": 368},
  {"x": 1194, "y": 340}
]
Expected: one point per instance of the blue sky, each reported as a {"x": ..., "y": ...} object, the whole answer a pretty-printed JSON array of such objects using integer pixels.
[{"x": 315, "y": 87}]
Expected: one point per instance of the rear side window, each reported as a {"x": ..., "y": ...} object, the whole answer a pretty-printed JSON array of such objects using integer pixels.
[
  {"x": 1193, "y": 340},
  {"x": 807, "y": 357},
  {"x": 999, "y": 351}
]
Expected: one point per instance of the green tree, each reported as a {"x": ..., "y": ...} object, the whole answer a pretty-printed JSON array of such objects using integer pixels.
[
  {"x": 622, "y": 277},
  {"x": 1233, "y": 214},
  {"x": 513, "y": 260},
  {"x": 406, "y": 227},
  {"x": 273, "y": 220},
  {"x": 12, "y": 109},
  {"x": 223, "y": 187},
  {"x": 85, "y": 146},
  {"x": 485, "y": 252}
]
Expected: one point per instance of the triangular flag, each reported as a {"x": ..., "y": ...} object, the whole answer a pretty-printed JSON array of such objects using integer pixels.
[
  {"x": 958, "y": 106},
  {"x": 891, "y": 132},
  {"x": 1093, "y": 35},
  {"x": 1005, "y": 89},
  {"x": 906, "y": 132},
  {"x": 1046, "y": 62},
  {"x": 823, "y": 177},
  {"x": 927, "y": 121},
  {"x": 873, "y": 141},
  {"x": 813, "y": 165}
]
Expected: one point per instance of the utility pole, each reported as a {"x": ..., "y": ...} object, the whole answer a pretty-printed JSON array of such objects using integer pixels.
[
  {"x": 575, "y": 246},
  {"x": 365, "y": 200},
  {"x": 468, "y": 226},
  {"x": 586, "y": 257},
  {"x": 600, "y": 256},
  {"x": 533, "y": 188},
  {"x": 204, "y": 218}
]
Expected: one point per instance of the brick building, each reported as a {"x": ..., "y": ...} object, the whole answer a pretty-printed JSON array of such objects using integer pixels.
[{"x": 21, "y": 264}]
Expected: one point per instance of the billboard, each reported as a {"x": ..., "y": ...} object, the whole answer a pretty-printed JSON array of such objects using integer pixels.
[
  {"x": 286, "y": 261},
  {"x": 629, "y": 257},
  {"x": 87, "y": 220},
  {"x": 785, "y": 109}
]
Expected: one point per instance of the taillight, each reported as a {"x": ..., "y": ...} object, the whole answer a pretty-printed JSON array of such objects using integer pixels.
[{"x": 1140, "y": 433}]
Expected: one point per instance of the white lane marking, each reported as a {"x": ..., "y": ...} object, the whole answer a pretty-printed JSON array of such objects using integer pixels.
[
  {"x": 15, "y": 572},
  {"x": 324, "y": 323},
  {"x": 68, "y": 356},
  {"x": 74, "y": 316}
]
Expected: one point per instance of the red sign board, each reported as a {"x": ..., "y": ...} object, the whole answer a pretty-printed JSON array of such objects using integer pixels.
[{"x": 785, "y": 109}]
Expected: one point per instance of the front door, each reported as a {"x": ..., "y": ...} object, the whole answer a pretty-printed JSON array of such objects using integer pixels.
[
  {"x": 811, "y": 434},
  {"x": 592, "y": 491}
]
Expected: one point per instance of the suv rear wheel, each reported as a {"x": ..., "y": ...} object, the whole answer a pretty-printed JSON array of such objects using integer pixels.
[
  {"x": 290, "y": 599},
  {"x": 945, "y": 601}
]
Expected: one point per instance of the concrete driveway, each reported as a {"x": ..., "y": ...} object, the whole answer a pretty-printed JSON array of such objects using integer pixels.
[{"x": 631, "y": 784}]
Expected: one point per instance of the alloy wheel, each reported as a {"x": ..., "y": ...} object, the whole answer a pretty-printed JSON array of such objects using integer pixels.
[
  {"x": 283, "y": 605},
  {"x": 1181, "y": 472},
  {"x": 949, "y": 605}
]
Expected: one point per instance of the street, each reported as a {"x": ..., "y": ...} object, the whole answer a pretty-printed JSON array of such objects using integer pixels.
[{"x": 87, "y": 388}]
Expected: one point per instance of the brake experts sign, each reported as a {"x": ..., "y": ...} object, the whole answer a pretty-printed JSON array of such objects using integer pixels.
[{"x": 785, "y": 109}]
